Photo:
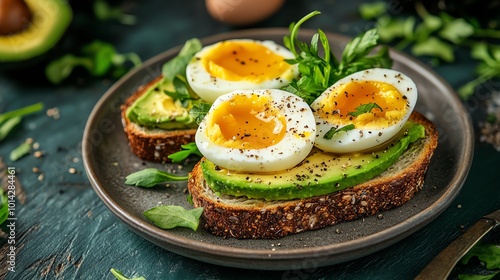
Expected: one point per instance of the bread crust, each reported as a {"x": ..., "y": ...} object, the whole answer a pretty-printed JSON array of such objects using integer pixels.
[
  {"x": 233, "y": 217},
  {"x": 153, "y": 145}
]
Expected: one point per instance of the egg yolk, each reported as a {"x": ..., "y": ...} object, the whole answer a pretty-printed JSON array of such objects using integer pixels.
[
  {"x": 341, "y": 105},
  {"x": 246, "y": 122},
  {"x": 245, "y": 61}
]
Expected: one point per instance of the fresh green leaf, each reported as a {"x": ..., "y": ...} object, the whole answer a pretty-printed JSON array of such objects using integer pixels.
[
  {"x": 188, "y": 149},
  {"x": 119, "y": 275},
  {"x": 101, "y": 54},
  {"x": 7, "y": 126},
  {"x": 365, "y": 108},
  {"x": 4, "y": 206},
  {"x": 103, "y": 11},
  {"x": 177, "y": 65},
  {"x": 20, "y": 151},
  {"x": 21, "y": 112},
  {"x": 330, "y": 133},
  {"x": 359, "y": 47},
  {"x": 59, "y": 69},
  {"x": 487, "y": 253},
  {"x": 199, "y": 110},
  {"x": 456, "y": 30},
  {"x": 373, "y": 10},
  {"x": 171, "y": 216},
  {"x": 435, "y": 47},
  {"x": 151, "y": 177}
]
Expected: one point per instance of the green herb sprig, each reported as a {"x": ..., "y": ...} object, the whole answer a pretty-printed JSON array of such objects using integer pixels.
[
  {"x": 98, "y": 58},
  {"x": 437, "y": 37},
  {"x": 171, "y": 216},
  {"x": 489, "y": 256},
  {"x": 318, "y": 72},
  {"x": 150, "y": 177},
  {"x": 364, "y": 108},
  {"x": 330, "y": 133},
  {"x": 187, "y": 150}
]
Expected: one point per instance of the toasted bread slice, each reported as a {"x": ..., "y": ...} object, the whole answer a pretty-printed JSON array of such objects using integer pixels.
[
  {"x": 152, "y": 144},
  {"x": 239, "y": 217}
]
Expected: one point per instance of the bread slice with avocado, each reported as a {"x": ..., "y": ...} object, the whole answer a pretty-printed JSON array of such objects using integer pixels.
[
  {"x": 338, "y": 199},
  {"x": 156, "y": 125}
]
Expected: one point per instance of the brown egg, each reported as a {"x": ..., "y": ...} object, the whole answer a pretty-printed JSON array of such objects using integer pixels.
[{"x": 242, "y": 12}]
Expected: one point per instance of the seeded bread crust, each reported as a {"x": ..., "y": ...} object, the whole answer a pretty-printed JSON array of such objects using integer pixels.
[
  {"x": 153, "y": 145},
  {"x": 230, "y": 216}
]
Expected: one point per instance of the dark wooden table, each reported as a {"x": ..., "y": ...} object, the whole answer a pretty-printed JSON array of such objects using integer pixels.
[{"x": 64, "y": 231}]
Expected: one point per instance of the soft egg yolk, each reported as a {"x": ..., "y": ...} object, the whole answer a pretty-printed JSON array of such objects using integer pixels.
[
  {"x": 245, "y": 61},
  {"x": 349, "y": 96},
  {"x": 246, "y": 122}
]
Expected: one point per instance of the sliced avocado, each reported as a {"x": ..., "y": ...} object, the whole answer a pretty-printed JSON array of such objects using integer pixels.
[
  {"x": 320, "y": 173},
  {"x": 156, "y": 109},
  {"x": 49, "y": 21}
]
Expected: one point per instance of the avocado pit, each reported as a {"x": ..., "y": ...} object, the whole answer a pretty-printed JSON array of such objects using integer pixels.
[{"x": 15, "y": 16}]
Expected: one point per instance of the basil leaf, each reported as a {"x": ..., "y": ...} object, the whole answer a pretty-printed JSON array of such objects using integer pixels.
[
  {"x": 171, "y": 216},
  {"x": 365, "y": 108},
  {"x": 188, "y": 149},
  {"x": 151, "y": 177},
  {"x": 329, "y": 135}
]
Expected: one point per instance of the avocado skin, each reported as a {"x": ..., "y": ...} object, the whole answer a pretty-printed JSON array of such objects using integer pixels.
[
  {"x": 149, "y": 109},
  {"x": 27, "y": 45},
  {"x": 320, "y": 173}
]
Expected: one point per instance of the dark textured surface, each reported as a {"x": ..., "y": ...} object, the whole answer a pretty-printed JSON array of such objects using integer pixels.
[{"x": 65, "y": 231}]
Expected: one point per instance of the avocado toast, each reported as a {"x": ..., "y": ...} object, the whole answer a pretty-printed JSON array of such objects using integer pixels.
[{"x": 242, "y": 217}]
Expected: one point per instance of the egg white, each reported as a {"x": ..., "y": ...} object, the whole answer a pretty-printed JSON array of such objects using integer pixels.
[
  {"x": 362, "y": 138},
  {"x": 208, "y": 87},
  {"x": 291, "y": 150}
]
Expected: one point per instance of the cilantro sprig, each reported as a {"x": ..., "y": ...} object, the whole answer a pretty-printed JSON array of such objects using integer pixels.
[
  {"x": 334, "y": 130},
  {"x": 187, "y": 150},
  {"x": 319, "y": 68},
  {"x": 364, "y": 108}
]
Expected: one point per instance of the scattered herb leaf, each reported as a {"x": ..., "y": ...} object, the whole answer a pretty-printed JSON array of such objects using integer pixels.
[
  {"x": 171, "y": 216},
  {"x": 188, "y": 149},
  {"x": 20, "y": 151},
  {"x": 119, "y": 275},
  {"x": 487, "y": 253},
  {"x": 177, "y": 65},
  {"x": 199, "y": 111},
  {"x": 103, "y": 11},
  {"x": 365, "y": 108},
  {"x": 7, "y": 126},
  {"x": 21, "y": 112},
  {"x": 329, "y": 135},
  {"x": 151, "y": 177},
  {"x": 4, "y": 206},
  {"x": 98, "y": 58}
]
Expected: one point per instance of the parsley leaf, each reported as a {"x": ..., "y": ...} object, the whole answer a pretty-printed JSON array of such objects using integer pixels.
[
  {"x": 151, "y": 177},
  {"x": 188, "y": 149},
  {"x": 171, "y": 216},
  {"x": 330, "y": 133},
  {"x": 365, "y": 108}
]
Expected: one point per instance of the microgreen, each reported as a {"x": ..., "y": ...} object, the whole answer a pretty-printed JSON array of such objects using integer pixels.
[
  {"x": 365, "y": 108},
  {"x": 4, "y": 207},
  {"x": 151, "y": 177},
  {"x": 187, "y": 150},
  {"x": 334, "y": 130},
  {"x": 98, "y": 58},
  {"x": 119, "y": 275},
  {"x": 319, "y": 68},
  {"x": 171, "y": 216}
]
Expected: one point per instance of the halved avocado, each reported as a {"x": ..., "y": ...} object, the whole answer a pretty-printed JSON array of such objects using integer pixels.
[{"x": 49, "y": 21}]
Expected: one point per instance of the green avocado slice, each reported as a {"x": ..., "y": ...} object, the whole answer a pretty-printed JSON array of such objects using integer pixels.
[
  {"x": 320, "y": 173},
  {"x": 51, "y": 18},
  {"x": 156, "y": 109}
]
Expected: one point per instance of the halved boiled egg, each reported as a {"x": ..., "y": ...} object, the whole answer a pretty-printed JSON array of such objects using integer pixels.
[
  {"x": 363, "y": 110},
  {"x": 239, "y": 64},
  {"x": 257, "y": 131}
]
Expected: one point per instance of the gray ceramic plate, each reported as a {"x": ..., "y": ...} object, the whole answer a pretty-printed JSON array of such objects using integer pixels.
[{"x": 108, "y": 160}]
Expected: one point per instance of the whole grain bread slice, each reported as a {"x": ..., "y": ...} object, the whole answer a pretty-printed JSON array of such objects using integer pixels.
[
  {"x": 239, "y": 217},
  {"x": 149, "y": 144}
]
